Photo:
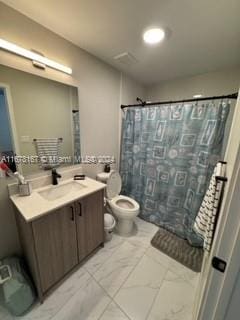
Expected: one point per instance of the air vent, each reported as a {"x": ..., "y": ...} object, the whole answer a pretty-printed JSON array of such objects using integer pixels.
[{"x": 126, "y": 58}]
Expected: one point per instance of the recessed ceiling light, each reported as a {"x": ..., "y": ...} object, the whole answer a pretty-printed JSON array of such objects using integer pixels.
[
  {"x": 154, "y": 36},
  {"x": 197, "y": 96}
]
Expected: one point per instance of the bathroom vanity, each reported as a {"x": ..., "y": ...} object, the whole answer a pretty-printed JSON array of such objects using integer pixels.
[{"x": 59, "y": 226}]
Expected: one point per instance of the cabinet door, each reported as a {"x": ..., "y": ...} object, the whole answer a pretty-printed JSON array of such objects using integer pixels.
[
  {"x": 90, "y": 228},
  {"x": 55, "y": 245}
]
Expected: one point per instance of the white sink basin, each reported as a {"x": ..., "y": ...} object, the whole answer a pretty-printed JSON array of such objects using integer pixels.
[{"x": 55, "y": 192}]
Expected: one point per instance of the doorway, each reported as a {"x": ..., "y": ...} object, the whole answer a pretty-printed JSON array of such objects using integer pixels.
[{"x": 7, "y": 124}]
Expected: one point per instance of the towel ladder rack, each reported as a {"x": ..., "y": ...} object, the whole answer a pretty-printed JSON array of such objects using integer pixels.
[{"x": 60, "y": 139}]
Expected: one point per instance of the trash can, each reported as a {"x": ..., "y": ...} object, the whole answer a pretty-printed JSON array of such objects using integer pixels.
[
  {"x": 109, "y": 225},
  {"x": 16, "y": 291}
]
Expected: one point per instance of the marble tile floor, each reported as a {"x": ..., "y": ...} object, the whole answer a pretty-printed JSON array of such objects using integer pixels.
[{"x": 126, "y": 280}]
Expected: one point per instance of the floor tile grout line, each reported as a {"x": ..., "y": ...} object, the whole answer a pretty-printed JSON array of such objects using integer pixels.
[
  {"x": 111, "y": 300},
  {"x": 172, "y": 269},
  {"x": 99, "y": 318},
  {"x": 101, "y": 287},
  {"x": 130, "y": 274},
  {"x": 134, "y": 268},
  {"x": 112, "y": 297},
  {"x": 180, "y": 276},
  {"x": 65, "y": 303},
  {"x": 146, "y": 249},
  {"x": 144, "y": 255},
  {"x": 124, "y": 242},
  {"x": 123, "y": 311},
  {"x": 104, "y": 261},
  {"x": 61, "y": 307},
  {"x": 155, "y": 298},
  {"x": 99, "y": 282}
]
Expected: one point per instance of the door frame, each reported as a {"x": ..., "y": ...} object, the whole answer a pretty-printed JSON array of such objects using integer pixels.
[
  {"x": 216, "y": 287},
  {"x": 12, "y": 121}
]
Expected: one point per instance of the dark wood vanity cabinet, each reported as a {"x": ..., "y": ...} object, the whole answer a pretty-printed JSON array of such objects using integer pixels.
[
  {"x": 57, "y": 242},
  {"x": 90, "y": 228}
]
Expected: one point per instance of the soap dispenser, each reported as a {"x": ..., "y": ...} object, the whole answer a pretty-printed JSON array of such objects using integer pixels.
[{"x": 107, "y": 168}]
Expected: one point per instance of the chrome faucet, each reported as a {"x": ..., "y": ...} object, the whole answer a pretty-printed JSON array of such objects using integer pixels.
[{"x": 55, "y": 176}]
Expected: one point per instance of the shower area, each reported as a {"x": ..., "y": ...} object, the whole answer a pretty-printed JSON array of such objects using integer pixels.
[{"x": 168, "y": 154}]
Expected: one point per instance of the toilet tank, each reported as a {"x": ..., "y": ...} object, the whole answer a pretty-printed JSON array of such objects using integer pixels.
[{"x": 103, "y": 176}]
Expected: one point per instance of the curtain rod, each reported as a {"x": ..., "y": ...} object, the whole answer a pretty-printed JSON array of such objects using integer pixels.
[{"x": 146, "y": 104}]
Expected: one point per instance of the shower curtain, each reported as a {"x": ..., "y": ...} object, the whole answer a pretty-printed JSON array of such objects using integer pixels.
[
  {"x": 76, "y": 138},
  {"x": 168, "y": 153}
]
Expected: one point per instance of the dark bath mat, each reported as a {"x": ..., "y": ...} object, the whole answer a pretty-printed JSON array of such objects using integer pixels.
[{"x": 178, "y": 249}]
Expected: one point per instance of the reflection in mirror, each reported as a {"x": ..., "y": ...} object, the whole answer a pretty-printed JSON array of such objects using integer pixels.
[
  {"x": 39, "y": 122},
  {"x": 6, "y": 143}
]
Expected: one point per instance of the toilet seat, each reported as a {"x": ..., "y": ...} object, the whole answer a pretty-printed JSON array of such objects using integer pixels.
[
  {"x": 125, "y": 205},
  {"x": 114, "y": 185}
]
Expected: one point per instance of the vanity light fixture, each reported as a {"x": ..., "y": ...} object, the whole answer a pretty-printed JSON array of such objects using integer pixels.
[
  {"x": 11, "y": 47},
  {"x": 154, "y": 36},
  {"x": 197, "y": 96}
]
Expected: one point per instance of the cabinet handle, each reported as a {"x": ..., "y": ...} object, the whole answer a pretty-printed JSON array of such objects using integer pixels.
[
  {"x": 80, "y": 209},
  {"x": 72, "y": 216}
]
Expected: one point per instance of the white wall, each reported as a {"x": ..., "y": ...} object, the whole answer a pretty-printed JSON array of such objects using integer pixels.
[
  {"x": 208, "y": 84},
  {"x": 99, "y": 95},
  {"x": 131, "y": 90},
  {"x": 234, "y": 308}
]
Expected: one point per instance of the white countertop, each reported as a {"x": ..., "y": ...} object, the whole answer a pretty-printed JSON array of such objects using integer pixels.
[{"x": 34, "y": 206}]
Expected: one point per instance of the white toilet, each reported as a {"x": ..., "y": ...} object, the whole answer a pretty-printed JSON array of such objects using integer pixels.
[{"x": 124, "y": 208}]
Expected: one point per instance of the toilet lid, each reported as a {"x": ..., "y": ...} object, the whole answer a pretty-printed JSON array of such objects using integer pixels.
[{"x": 114, "y": 185}]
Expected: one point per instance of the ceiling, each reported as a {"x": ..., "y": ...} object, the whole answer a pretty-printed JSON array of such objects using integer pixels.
[{"x": 202, "y": 36}]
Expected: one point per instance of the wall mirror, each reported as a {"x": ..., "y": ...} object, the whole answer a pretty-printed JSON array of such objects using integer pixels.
[{"x": 37, "y": 116}]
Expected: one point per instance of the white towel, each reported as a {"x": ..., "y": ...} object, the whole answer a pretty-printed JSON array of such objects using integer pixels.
[
  {"x": 205, "y": 221},
  {"x": 48, "y": 152}
]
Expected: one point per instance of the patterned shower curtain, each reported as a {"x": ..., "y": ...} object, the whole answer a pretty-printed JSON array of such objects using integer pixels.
[
  {"x": 168, "y": 154},
  {"x": 76, "y": 138}
]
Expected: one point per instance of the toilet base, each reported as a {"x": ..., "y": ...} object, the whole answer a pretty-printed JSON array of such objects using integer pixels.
[{"x": 125, "y": 227}]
